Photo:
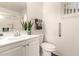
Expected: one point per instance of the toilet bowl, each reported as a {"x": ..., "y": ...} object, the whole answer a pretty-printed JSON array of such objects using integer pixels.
[{"x": 47, "y": 48}]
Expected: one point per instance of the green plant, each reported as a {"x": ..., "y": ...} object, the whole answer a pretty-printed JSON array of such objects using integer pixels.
[
  {"x": 29, "y": 25},
  {"x": 24, "y": 25}
]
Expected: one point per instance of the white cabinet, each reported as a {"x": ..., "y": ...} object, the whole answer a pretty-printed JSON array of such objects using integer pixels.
[
  {"x": 17, "y": 51},
  {"x": 24, "y": 48},
  {"x": 14, "y": 49},
  {"x": 34, "y": 48}
]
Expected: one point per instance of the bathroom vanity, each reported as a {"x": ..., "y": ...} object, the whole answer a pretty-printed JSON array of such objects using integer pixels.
[{"x": 23, "y": 45}]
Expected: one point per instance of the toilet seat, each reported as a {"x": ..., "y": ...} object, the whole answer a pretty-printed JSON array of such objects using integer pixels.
[{"x": 48, "y": 47}]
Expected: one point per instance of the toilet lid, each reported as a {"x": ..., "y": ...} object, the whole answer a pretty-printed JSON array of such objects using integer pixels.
[{"x": 48, "y": 47}]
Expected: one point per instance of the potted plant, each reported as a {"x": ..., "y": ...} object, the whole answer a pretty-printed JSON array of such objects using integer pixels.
[
  {"x": 29, "y": 27},
  {"x": 24, "y": 25}
]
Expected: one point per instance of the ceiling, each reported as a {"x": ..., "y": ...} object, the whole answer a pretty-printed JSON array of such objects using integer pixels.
[{"x": 15, "y": 6}]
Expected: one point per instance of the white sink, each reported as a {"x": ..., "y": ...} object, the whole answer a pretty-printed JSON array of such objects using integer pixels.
[
  {"x": 1, "y": 38},
  {"x": 5, "y": 37},
  {"x": 10, "y": 35}
]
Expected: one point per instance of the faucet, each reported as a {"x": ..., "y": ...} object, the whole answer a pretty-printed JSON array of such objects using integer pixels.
[{"x": 17, "y": 33}]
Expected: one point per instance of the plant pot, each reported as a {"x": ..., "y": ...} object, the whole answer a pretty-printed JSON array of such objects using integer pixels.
[{"x": 29, "y": 32}]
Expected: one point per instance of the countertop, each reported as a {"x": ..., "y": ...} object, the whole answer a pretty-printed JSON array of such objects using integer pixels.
[{"x": 12, "y": 39}]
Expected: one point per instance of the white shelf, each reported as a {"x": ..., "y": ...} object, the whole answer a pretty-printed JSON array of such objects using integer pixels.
[{"x": 71, "y": 15}]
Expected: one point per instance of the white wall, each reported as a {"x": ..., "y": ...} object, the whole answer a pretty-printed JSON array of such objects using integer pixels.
[
  {"x": 70, "y": 36},
  {"x": 35, "y": 10},
  {"x": 51, "y": 14},
  {"x": 52, "y": 17},
  {"x": 68, "y": 43}
]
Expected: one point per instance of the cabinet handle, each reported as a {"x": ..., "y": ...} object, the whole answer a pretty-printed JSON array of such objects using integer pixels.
[
  {"x": 24, "y": 45},
  {"x": 59, "y": 29},
  {"x": 27, "y": 44}
]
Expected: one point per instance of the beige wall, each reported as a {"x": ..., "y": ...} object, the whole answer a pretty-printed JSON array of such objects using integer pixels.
[
  {"x": 68, "y": 43},
  {"x": 35, "y": 10}
]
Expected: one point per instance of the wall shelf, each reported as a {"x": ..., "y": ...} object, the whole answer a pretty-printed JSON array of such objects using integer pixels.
[
  {"x": 71, "y": 9},
  {"x": 71, "y": 15}
]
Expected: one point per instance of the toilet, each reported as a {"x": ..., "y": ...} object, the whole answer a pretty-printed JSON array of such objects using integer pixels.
[{"x": 47, "y": 48}]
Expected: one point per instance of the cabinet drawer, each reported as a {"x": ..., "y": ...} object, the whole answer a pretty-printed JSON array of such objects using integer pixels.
[
  {"x": 18, "y": 51},
  {"x": 31, "y": 40}
]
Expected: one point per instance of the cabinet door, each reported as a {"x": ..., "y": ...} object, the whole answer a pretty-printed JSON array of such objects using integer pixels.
[
  {"x": 17, "y": 51},
  {"x": 26, "y": 50},
  {"x": 34, "y": 48}
]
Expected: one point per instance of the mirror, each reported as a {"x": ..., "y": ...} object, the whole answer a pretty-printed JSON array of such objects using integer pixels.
[{"x": 11, "y": 14}]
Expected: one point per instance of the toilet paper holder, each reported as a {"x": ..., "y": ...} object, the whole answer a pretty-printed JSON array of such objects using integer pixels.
[{"x": 59, "y": 29}]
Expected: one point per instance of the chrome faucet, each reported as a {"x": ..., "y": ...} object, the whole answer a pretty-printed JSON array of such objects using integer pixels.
[{"x": 17, "y": 33}]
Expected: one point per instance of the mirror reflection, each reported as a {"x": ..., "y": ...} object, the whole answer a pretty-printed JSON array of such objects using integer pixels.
[{"x": 11, "y": 13}]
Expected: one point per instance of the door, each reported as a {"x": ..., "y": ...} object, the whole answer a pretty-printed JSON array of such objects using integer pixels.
[
  {"x": 70, "y": 36},
  {"x": 17, "y": 51}
]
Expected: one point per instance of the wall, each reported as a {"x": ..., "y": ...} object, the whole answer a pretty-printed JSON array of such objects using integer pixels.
[
  {"x": 68, "y": 43},
  {"x": 70, "y": 36},
  {"x": 35, "y": 10},
  {"x": 52, "y": 13},
  {"x": 51, "y": 17}
]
